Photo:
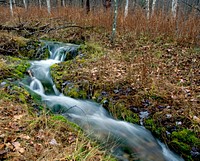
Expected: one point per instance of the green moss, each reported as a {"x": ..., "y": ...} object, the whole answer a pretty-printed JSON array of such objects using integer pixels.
[
  {"x": 20, "y": 69},
  {"x": 186, "y": 136},
  {"x": 91, "y": 50},
  {"x": 153, "y": 127},
  {"x": 132, "y": 117},
  {"x": 14, "y": 67},
  {"x": 71, "y": 125},
  {"x": 184, "y": 148},
  {"x": 96, "y": 95},
  {"x": 72, "y": 92},
  {"x": 120, "y": 111},
  {"x": 59, "y": 117},
  {"x": 20, "y": 41}
]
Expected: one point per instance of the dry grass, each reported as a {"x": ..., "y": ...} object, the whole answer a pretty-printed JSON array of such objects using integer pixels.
[
  {"x": 184, "y": 28},
  {"x": 29, "y": 137}
]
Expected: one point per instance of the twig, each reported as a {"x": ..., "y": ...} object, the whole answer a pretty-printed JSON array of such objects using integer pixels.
[
  {"x": 44, "y": 28},
  {"x": 195, "y": 7}
]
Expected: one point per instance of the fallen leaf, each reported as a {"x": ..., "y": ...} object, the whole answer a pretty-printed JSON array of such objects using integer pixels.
[
  {"x": 2, "y": 146},
  {"x": 18, "y": 117},
  {"x": 53, "y": 142},
  {"x": 3, "y": 152},
  {"x": 17, "y": 147},
  {"x": 23, "y": 136},
  {"x": 21, "y": 150}
]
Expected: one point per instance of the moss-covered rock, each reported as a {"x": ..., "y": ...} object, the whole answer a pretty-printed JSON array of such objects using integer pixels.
[
  {"x": 12, "y": 67},
  {"x": 185, "y": 142}
]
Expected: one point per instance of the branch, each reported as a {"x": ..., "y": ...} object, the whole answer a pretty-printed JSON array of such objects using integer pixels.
[
  {"x": 195, "y": 7},
  {"x": 44, "y": 28}
]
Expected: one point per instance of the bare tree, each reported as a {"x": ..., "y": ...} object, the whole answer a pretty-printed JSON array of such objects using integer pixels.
[
  {"x": 87, "y": 4},
  {"x": 126, "y": 9},
  {"x": 40, "y": 4},
  {"x": 114, "y": 22},
  {"x": 106, "y": 3},
  {"x": 11, "y": 7},
  {"x": 25, "y": 4},
  {"x": 153, "y": 7},
  {"x": 148, "y": 8},
  {"x": 63, "y": 3},
  {"x": 49, "y": 6},
  {"x": 174, "y": 7}
]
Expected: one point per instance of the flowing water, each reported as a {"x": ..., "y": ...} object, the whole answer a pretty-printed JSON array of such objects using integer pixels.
[{"x": 126, "y": 141}]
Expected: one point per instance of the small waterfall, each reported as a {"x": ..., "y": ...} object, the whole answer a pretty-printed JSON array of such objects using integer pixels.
[
  {"x": 37, "y": 86},
  {"x": 125, "y": 140}
]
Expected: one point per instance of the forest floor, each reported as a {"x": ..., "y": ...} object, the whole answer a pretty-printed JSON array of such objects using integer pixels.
[
  {"x": 137, "y": 74},
  {"x": 28, "y": 131}
]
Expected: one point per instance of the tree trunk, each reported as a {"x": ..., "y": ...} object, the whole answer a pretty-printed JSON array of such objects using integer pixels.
[
  {"x": 174, "y": 7},
  {"x": 147, "y": 8},
  {"x": 11, "y": 7},
  {"x": 87, "y": 6},
  {"x": 25, "y": 4},
  {"x": 40, "y": 4},
  {"x": 153, "y": 7},
  {"x": 134, "y": 4},
  {"x": 14, "y": 3},
  {"x": 126, "y": 9},
  {"x": 106, "y": 3},
  {"x": 63, "y": 3},
  {"x": 114, "y": 22},
  {"x": 49, "y": 6}
]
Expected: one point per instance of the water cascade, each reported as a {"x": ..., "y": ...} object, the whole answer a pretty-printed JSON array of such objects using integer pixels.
[{"x": 125, "y": 140}]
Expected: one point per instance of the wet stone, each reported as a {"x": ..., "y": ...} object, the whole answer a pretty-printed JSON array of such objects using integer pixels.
[
  {"x": 116, "y": 91},
  {"x": 161, "y": 107},
  {"x": 168, "y": 116},
  {"x": 104, "y": 93},
  {"x": 146, "y": 103},
  {"x": 178, "y": 123},
  {"x": 3, "y": 84},
  {"x": 134, "y": 109}
]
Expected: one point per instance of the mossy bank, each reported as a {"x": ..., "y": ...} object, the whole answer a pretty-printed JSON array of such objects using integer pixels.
[
  {"x": 28, "y": 131},
  {"x": 153, "y": 77}
]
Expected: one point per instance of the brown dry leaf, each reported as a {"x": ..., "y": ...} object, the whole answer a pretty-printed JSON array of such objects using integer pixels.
[
  {"x": 53, "y": 142},
  {"x": 3, "y": 152},
  {"x": 195, "y": 118},
  {"x": 9, "y": 146},
  {"x": 17, "y": 147},
  {"x": 2, "y": 146},
  {"x": 23, "y": 136},
  {"x": 18, "y": 117}
]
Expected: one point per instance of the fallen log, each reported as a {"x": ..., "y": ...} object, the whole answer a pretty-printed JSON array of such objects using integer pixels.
[{"x": 41, "y": 29}]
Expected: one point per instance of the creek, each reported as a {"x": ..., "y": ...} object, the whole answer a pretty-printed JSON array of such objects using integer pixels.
[{"x": 124, "y": 140}]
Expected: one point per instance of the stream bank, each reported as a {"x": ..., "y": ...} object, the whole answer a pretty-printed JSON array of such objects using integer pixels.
[
  {"x": 28, "y": 131},
  {"x": 119, "y": 94},
  {"x": 153, "y": 78}
]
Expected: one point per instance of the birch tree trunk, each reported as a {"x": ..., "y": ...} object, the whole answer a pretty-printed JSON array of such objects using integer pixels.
[
  {"x": 40, "y": 4},
  {"x": 174, "y": 7},
  {"x": 25, "y": 4},
  {"x": 63, "y": 3},
  {"x": 147, "y": 8},
  {"x": 49, "y": 6},
  {"x": 153, "y": 7},
  {"x": 126, "y": 9},
  {"x": 115, "y": 21},
  {"x": 11, "y": 7}
]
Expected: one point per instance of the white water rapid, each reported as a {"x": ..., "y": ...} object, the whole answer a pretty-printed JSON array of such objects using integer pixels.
[{"x": 125, "y": 140}]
